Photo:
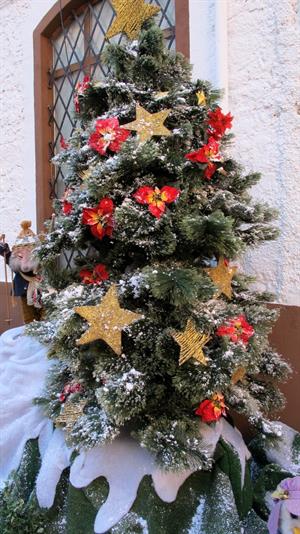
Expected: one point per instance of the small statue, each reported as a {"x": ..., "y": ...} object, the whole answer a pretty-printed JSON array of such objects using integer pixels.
[{"x": 26, "y": 281}]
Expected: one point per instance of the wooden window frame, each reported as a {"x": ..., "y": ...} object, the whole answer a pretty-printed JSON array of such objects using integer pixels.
[{"x": 43, "y": 94}]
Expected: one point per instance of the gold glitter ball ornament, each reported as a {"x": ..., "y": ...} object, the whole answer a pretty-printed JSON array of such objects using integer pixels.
[
  {"x": 201, "y": 98},
  {"x": 130, "y": 15},
  {"x": 149, "y": 124},
  {"x": 191, "y": 343},
  {"x": 107, "y": 321},
  {"x": 222, "y": 276},
  {"x": 70, "y": 414}
]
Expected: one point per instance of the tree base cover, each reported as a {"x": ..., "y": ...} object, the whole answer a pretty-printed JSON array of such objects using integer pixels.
[
  {"x": 124, "y": 463},
  {"x": 39, "y": 497},
  {"x": 205, "y": 504}
]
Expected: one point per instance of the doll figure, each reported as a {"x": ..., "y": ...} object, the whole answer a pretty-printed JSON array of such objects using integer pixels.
[{"x": 24, "y": 266}]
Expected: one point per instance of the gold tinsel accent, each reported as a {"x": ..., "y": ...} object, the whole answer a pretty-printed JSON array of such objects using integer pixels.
[
  {"x": 130, "y": 15},
  {"x": 161, "y": 94},
  {"x": 201, "y": 98},
  {"x": 191, "y": 343},
  {"x": 84, "y": 175},
  {"x": 107, "y": 321},
  {"x": 70, "y": 414},
  {"x": 238, "y": 375},
  {"x": 222, "y": 276},
  {"x": 149, "y": 124}
]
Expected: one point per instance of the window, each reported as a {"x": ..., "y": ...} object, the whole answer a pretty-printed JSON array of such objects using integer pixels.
[{"x": 64, "y": 53}]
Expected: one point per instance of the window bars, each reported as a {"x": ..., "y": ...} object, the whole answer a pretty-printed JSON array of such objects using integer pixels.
[
  {"x": 77, "y": 51},
  {"x": 77, "y": 47}
]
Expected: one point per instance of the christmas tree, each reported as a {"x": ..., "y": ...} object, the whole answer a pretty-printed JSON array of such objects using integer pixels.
[{"x": 156, "y": 339}]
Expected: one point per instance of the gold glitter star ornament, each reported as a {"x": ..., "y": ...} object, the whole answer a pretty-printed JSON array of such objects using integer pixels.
[
  {"x": 222, "y": 276},
  {"x": 149, "y": 124},
  {"x": 70, "y": 414},
  {"x": 130, "y": 15},
  {"x": 107, "y": 321},
  {"x": 191, "y": 343},
  {"x": 201, "y": 99},
  {"x": 238, "y": 375}
]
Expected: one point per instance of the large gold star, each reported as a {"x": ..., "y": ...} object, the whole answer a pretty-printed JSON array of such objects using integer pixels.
[
  {"x": 222, "y": 276},
  {"x": 106, "y": 321},
  {"x": 130, "y": 16},
  {"x": 70, "y": 414},
  {"x": 191, "y": 343},
  {"x": 149, "y": 124}
]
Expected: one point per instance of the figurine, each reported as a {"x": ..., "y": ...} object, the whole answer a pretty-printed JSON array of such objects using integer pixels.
[{"x": 26, "y": 281}]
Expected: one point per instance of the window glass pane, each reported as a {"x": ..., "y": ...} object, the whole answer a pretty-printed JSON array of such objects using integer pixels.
[
  {"x": 69, "y": 48},
  {"x": 76, "y": 52}
]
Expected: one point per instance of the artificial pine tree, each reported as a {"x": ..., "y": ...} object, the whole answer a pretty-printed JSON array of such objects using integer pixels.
[{"x": 155, "y": 337}]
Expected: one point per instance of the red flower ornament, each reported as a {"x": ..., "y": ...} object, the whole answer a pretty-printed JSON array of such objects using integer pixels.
[
  {"x": 67, "y": 206},
  {"x": 100, "y": 219},
  {"x": 206, "y": 154},
  {"x": 219, "y": 123},
  {"x": 156, "y": 198},
  {"x": 63, "y": 143},
  {"x": 211, "y": 410},
  {"x": 108, "y": 135},
  {"x": 80, "y": 89},
  {"x": 237, "y": 329},
  {"x": 96, "y": 276},
  {"x": 69, "y": 389}
]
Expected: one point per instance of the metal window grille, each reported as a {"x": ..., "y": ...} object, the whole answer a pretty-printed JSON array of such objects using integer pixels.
[{"x": 77, "y": 51}]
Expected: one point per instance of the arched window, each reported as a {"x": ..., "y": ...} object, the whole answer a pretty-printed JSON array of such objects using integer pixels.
[{"x": 67, "y": 45}]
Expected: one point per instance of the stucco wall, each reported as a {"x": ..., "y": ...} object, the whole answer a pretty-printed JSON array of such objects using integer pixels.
[
  {"x": 249, "y": 48},
  {"x": 264, "y": 97},
  {"x": 17, "y": 155}
]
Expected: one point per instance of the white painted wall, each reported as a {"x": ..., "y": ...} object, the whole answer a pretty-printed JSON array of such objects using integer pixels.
[
  {"x": 248, "y": 48},
  {"x": 251, "y": 49},
  {"x": 18, "y": 18}
]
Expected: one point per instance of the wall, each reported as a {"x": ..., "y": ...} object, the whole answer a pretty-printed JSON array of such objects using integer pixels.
[
  {"x": 17, "y": 156},
  {"x": 264, "y": 96},
  {"x": 250, "y": 49}
]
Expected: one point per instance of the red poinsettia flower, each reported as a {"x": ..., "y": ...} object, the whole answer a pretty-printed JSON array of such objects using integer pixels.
[
  {"x": 67, "y": 206},
  {"x": 80, "y": 90},
  {"x": 108, "y": 135},
  {"x": 237, "y": 329},
  {"x": 219, "y": 123},
  {"x": 206, "y": 154},
  {"x": 63, "y": 144},
  {"x": 156, "y": 198},
  {"x": 100, "y": 219},
  {"x": 210, "y": 171},
  {"x": 212, "y": 409},
  {"x": 68, "y": 389},
  {"x": 96, "y": 276}
]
